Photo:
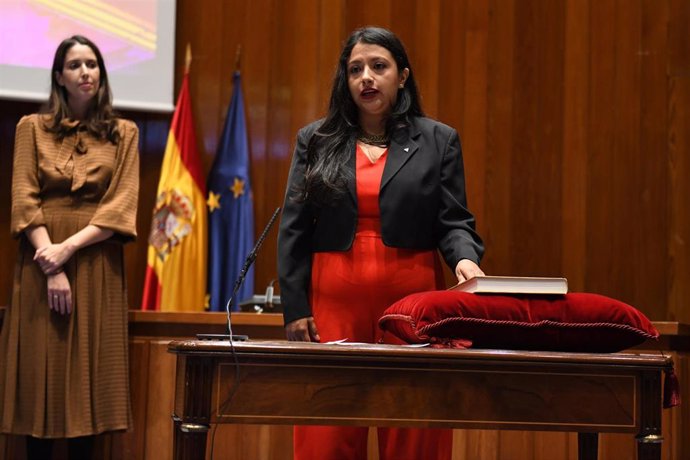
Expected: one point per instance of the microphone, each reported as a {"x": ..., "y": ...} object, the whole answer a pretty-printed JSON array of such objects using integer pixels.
[{"x": 240, "y": 280}]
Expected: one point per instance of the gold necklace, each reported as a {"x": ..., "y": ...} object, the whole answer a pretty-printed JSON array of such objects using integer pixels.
[{"x": 379, "y": 140}]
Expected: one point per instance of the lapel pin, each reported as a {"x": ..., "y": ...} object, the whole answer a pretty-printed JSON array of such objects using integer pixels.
[{"x": 407, "y": 149}]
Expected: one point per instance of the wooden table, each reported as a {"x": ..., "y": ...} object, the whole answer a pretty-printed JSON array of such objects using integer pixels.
[{"x": 384, "y": 385}]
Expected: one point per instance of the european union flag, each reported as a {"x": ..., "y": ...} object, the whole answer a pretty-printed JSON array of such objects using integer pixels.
[{"x": 230, "y": 211}]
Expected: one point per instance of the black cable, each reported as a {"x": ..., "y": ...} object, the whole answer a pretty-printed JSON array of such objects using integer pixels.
[{"x": 228, "y": 307}]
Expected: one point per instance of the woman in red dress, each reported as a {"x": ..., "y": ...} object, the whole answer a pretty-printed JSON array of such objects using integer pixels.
[{"x": 375, "y": 189}]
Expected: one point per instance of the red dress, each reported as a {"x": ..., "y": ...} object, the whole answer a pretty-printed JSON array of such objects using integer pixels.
[{"x": 349, "y": 292}]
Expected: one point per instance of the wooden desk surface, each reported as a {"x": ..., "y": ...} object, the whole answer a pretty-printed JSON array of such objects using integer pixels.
[
  {"x": 345, "y": 351},
  {"x": 308, "y": 383}
]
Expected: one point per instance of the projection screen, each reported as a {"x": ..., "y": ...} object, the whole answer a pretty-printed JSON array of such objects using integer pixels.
[{"x": 136, "y": 37}]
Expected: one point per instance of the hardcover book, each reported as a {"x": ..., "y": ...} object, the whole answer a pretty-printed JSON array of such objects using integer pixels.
[{"x": 513, "y": 285}]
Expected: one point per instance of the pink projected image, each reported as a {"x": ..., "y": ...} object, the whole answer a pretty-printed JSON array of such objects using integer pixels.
[{"x": 124, "y": 30}]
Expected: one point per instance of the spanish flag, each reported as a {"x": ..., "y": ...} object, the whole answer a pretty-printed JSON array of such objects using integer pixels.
[{"x": 176, "y": 263}]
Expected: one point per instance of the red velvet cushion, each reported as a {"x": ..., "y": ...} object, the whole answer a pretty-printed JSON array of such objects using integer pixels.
[{"x": 572, "y": 322}]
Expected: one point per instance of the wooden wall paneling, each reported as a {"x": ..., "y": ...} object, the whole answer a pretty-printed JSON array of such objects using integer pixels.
[
  {"x": 537, "y": 124},
  {"x": 280, "y": 133},
  {"x": 450, "y": 78},
  {"x": 256, "y": 76},
  {"x": 681, "y": 415},
  {"x": 402, "y": 21},
  {"x": 361, "y": 13},
  {"x": 515, "y": 445},
  {"x": 293, "y": 106},
  {"x": 551, "y": 445},
  {"x": 678, "y": 43},
  {"x": 678, "y": 192},
  {"x": 132, "y": 445},
  {"x": 575, "y": 144},
  {"x": 159, "y": 404},
  {"x": 626, "y": 173},
  {"x": 526, "y": 130},
  {"x": 600, "y": 164},
  {"x": 451, "y": 74},
  {"x": 572, "y": 450},
  {"x": 231, "y": 38},
  {"x": 427, "y": 42},
  {"x": 548, "y": 156},
  {"x": 495, "y": 226},
  {"x": 652, "y": 267},
  {"x": 679, "y": 164},
  {"x": 475, "y": 445},
  {"x": 475, "y": 103},
  {"x": 304, "y": 69},
  {"x": 331, "y": 38},
  {"x": 205, "y": 83}
]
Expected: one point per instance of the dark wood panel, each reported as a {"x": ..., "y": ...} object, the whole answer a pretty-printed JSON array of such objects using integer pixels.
[
  {"x": 495, "y": 227},
  {"x": 678, "y": 191},
  {"x": 679, "y": 45},
  {"x": 537, "y": 124},
  {"x": 651, "y": 188},
  {"x": 625, "y": 156},
  {"x": 575, "y": 144},
  {"x": 472, "y": 104},
  {"x": 601, "y": 259}
]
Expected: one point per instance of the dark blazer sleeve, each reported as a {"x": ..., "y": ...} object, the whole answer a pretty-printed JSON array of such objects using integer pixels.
[
  {"x": 456, "y": 234},
  {"x": 422, "y": 200},
  {"x": 295, "y": 238}
]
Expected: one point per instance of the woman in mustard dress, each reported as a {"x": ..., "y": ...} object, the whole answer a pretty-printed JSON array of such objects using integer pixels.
[{"x": 63, "y": 346}]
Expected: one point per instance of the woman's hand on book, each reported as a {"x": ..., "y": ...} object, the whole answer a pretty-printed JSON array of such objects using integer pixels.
[{"x": 466, "y": 269}]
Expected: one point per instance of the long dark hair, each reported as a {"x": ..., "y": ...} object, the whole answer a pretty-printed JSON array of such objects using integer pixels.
[
  {"x": 330, "y": 147},
  {"x": 100, "y": 119}
]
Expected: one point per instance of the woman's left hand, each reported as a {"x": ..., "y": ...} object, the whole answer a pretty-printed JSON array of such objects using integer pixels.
[
  {"x": 466, "y": 269},
  {"x": 50, "y": 258}
]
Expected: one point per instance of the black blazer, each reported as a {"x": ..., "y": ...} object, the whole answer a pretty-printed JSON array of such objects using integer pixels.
[{"x": 422, "y": 203}]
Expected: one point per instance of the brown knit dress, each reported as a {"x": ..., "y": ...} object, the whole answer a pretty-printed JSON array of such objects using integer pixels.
[{"x": 67, "y": 375}]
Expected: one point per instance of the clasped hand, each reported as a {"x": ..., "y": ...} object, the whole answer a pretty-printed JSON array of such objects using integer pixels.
[
  {"x": 50, "y": 258},
  {"x": 59, "y": 293}
]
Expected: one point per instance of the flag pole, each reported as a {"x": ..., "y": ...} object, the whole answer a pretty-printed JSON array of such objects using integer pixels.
[
  {"x": 238, "y": 55},
  {"x": 188, "y": 58}
]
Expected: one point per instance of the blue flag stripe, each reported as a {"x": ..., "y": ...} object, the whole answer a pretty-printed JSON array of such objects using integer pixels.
[{"x": 230, "y": 226}]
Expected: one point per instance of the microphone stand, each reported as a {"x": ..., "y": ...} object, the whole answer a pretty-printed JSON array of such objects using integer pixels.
[{"x": 238, "y": 283}]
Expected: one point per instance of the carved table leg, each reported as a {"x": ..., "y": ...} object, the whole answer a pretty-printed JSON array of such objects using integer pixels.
[
  {"x": 189, "y": 440},
  {"x": 192, "y": 408},
  {"x": 649, "y": 447},
  {"x": 649, "y": 439},
  {"x": 587, "y": 446}
]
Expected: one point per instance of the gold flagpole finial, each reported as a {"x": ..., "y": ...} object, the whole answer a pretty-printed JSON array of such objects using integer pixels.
[
  {"x": 238, "y": 55},
  {"x": 188, "y": 58}
]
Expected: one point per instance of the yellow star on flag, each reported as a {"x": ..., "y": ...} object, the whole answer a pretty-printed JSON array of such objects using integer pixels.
[
  {"x": 213, "y": 201},
  {"x": 237, "y": 188}
]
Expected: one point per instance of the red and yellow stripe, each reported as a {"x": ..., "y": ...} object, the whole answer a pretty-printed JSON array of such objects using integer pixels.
[{"x": 176, "y": 262}]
